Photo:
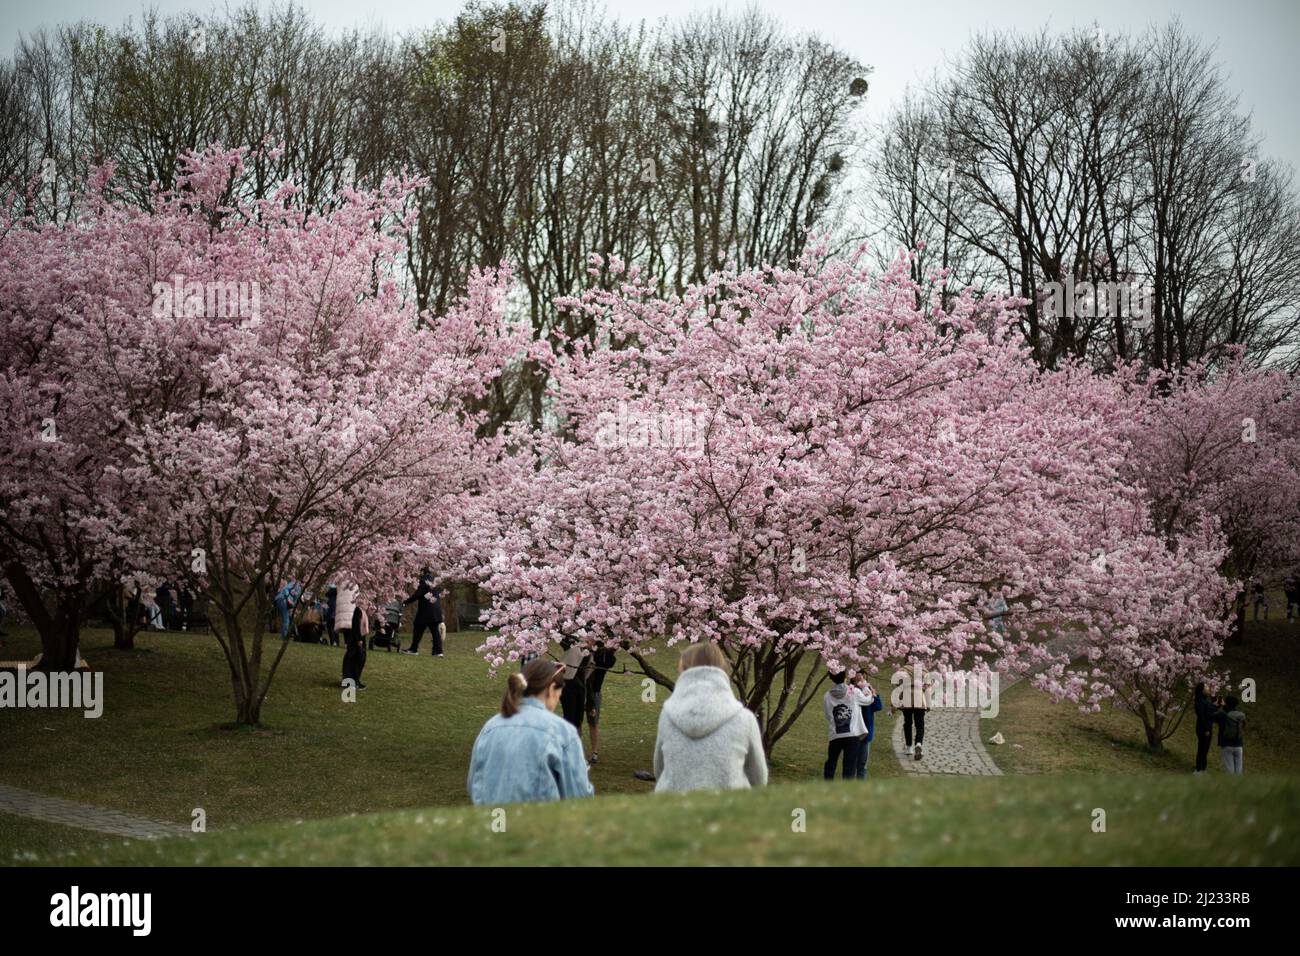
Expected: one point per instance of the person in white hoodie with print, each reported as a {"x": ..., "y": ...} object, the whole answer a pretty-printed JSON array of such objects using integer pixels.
[
  {"x": 843, "y": 704},
  {"x": 707, "y": 739}
]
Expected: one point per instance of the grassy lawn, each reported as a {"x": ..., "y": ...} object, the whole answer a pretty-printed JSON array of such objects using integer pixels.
[
  {"x": 23, "y": 840},
  {"x": 1042, "y": 737},
  {"x": 164, "y": 745},
  {"x": 909, "y": 821},
  {"x": 347, "y": 775}
]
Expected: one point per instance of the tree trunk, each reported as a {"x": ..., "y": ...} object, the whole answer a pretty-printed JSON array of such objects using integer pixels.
[
  {"x": 248, "y": 687},
  {"x": 123, "y": 636},
  {"x": 123, "y": 615},
  {"x": 60, "y": 632},
  {"x": 61, "y": 642},
  {"x": 1155, "y": 728},
  {"x": 249, "y": 710}
]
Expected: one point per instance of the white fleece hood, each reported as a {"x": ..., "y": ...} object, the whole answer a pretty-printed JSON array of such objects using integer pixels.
[{"x": 701, "y": 702}]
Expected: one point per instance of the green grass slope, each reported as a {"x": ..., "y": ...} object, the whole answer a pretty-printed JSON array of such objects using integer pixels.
[{"x": 954, "y": 821}]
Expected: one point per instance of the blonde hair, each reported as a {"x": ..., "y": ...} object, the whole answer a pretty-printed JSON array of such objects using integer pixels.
[{"x": 704, "y": 654}]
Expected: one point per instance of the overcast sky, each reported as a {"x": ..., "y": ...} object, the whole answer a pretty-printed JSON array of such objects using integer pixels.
[{"x": 903, "y": 40}]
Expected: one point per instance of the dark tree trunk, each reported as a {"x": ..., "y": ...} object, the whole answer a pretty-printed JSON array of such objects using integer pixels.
[
  {"x": 249, "y": 710},
  {"x": 244, "y": 659},
  {"x": 123, "y": 636},
  {"x": 122, "y": 615},
  {"x": 60, "y": 631},
  {"x": 59, "y": 645}
]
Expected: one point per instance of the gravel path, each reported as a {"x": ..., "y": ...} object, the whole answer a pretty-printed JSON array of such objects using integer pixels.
[
  {"x": 954, "y": 741},
  {"x": 25, "y": 803}
]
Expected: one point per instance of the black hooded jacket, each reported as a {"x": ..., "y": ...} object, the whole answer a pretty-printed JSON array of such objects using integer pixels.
[{"x": 429, "y": 609}]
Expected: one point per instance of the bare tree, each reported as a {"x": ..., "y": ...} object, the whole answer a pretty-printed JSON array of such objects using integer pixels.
[{"x": 1106, "y": 161}]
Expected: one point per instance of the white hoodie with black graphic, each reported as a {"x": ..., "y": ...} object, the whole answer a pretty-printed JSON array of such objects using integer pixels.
[{"x": 843, "y": 705}]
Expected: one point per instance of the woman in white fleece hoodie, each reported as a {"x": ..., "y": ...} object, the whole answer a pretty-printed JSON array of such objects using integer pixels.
[{"x": 707, "y": 739}]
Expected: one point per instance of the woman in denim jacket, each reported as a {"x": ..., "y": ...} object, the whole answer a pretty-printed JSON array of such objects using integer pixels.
[{"x": 526, "y": 752}]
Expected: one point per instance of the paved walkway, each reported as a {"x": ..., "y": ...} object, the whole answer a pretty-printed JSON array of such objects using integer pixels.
[
  {"x": 952, "y": 744},
  {"x": 25, "y": 803},
  {"x": 953, "y": 736}
]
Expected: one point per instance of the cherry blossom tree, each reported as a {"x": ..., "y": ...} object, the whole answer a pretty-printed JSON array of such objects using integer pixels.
[
  {"x": 69, "y": 522},
  {"x": 803, "y": 465},
  {"x": 275, "y": 408},
  {"x": 1224, "y": 443},
  {"x": 1153, "y": 623}
]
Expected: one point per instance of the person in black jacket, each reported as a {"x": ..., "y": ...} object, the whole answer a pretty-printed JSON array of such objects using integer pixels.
[
  {"x": 428, "y": 614},
  {"x": 164, "y": 595},
  {"x": 331, "y": 603},
  {"x": 1205, "y": 708},
  {"x": 1232, "y": 741}
]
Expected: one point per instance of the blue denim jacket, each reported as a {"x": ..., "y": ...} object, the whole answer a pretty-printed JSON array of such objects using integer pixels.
[{"x": 534, "y": 755}]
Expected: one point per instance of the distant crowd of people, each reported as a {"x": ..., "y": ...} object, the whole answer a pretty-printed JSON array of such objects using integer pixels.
[
  {"x": 1290, "y": 590},
  {"x": 167, "y": 607},
  {"x": 707, "y": 739},
  {"x": 339, "y": 618}
]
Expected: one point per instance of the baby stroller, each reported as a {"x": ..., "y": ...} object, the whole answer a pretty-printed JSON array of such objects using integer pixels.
[
  {"x": 386, "y": 634},
  {"x": 311, "y": 628}
]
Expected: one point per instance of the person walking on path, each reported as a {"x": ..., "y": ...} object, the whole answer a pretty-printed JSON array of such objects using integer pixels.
[
  {"x": 707, "y": 739},
  {"x": 526, "y": 753},
  {"x": 428, "y": 614},
  {"x": 914, "y": 708},
  {"x": 869, "y": 710},
  {"x": 1291, "y": 588},
  {"x": 845, "y": 726},
  {"x": 1232, "y": 736},
  {"x": 1205, "y": 709}
]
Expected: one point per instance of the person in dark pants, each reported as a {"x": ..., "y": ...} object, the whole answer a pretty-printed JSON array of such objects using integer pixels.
[
  {"x": 166, "y": 605},
  {"x": 844, "y": 726},
  {"x": 352, "y": 633},
  {"x": 868, "y": 718},
  {"x": 354, "y": 658},
  {"x": 914, "y": 717},
  {"x": 1232, "y": 740},
  {"x": 428, "y": 614},
  {"x": 1261, "y": 598},
  {"x": 1291, "y": 588},
  {"x": 1205, "y": 709},
  {"x": 601, "y": 663},
  {"x": 573, "y": 698},
  {"x": 331, "y": 605}
]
